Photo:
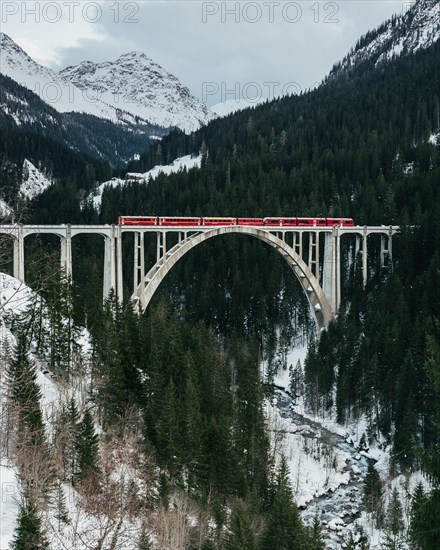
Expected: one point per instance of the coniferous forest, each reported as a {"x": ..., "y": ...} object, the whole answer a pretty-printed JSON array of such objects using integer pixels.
[{"x": 184, "y": 379}]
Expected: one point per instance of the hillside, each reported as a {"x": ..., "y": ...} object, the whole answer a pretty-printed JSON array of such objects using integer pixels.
[
  {"x": 23, "y": 111},
  {"x": 403, "y": 35}
]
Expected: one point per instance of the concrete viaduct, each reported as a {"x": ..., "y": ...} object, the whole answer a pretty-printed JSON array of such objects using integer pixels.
[{"x": 318, "y": 273}]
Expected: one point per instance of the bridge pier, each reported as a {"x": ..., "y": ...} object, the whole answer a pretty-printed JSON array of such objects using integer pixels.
[
  {"x": 18, "y": 261},
  {"x": 109, "y": 264},
  {"x": 113, "y": 263},
  {"x": 66, "y": 252},
  {"x": 136, "y": 281},
  {"x": 297, "y": 243},
  {"x": 314, "y": 253},
  {"x": 331, "y": 269},
  {"x": 386, "y": 249},
  {"x": 119, "y": 280},
  {"x": 365, "y": 257},
  {"x": 161, "y": 245}
]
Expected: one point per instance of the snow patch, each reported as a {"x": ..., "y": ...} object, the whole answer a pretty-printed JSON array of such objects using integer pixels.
[
  {"x": 231, "y": 106},
  {"x": 184, "y": 163},
  {"x": 9, "y": 502},
  {"x": 34, "y": 182}
]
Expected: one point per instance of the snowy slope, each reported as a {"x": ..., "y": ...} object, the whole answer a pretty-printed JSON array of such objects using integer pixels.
[
  {"x": 183, "y": 163},
  {"x": 51, "y": 88},
  {"x": 135, "y": 83},
  {"x": 133, "y": 89},
  {"x": 14, "y": 297},
  {"x": 5, "y": 210},
  {"x": 417, "y": 29},
  {"x": 9, "y": 502},
  {"x": 34, "y": 183},
  {"x": 126, "y": 466},
  {"x": 231, "y": 106}
]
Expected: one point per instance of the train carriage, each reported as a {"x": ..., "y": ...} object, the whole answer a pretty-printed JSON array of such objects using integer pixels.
[
  {"x": 250, "y": 221},
  {"x": 137, "y": 220},
  {"x": 180, "y": 222},
  {"x": 219, "y": 221}
]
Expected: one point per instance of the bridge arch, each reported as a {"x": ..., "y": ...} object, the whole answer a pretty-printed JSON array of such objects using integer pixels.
[{"x": 318, "y": 302}]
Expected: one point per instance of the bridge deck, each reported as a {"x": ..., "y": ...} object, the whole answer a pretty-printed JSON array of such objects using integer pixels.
[{"x": 57, "y": 229}]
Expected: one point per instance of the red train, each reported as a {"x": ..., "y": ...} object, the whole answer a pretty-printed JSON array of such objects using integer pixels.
[{"x": 257, "y": 222}]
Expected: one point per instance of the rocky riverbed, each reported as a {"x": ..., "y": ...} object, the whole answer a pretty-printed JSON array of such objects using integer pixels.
[{"x": 340, "y": 502}]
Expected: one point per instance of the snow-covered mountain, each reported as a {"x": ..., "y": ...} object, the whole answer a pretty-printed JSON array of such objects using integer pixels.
[
  {"x": 404, "y": 34},
  {"x": 48, "y": 85},
  {"x": 132, "y": 90},
  {"x": 135, "y": 83}
]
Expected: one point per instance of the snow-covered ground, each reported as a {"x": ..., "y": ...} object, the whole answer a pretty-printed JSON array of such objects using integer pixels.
[
  {"x": 315, "y": 467},
  {"x": 328, "y": 466},
  {"x": 5, "y": 210},
  {"x": 231, "y": 106},
  {"x": 15, "y": 298},
  {"x": 184, "y": 163},
  {"x": 123, "y": 461},
  {"x": 34, "y": 182},
  {"x": 9, "y": 502}
]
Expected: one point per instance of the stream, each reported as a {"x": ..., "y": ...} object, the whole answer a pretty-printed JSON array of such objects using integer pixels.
[{"x": 339, "y": 508}]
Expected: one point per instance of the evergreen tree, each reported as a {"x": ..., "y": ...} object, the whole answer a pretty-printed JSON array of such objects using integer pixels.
[
  {"x": 87, "y": 448},
  {"x": 425, "y": 529},
  {"x": 285, "y": 530},
  {"x": 314, "y": 535},
  {"x": 29, "y": 533},
  {"x": 26, "y": 394},
  {"x": 61, "y": 512},
  {"x": 418, "y": 501},
  {"x": 394, "y": 525},
  {"x": 240, "y": 536},
  {"x": 358, "y": 539},
  {"x": 373, "y": 491}
]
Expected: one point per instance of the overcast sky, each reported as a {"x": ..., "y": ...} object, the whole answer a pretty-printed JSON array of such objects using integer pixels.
[{"x": 220, "y": 50}]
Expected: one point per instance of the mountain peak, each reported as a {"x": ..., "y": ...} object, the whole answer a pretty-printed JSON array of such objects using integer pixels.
[
  {"x": 418, "y": 28},
  {"x": 135, "y": 54},
  {"x": 138, "y": 85},
  {"x": 131, "y": 89}
]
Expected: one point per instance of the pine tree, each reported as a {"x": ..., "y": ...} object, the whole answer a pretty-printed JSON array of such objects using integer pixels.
[
  {"x": 394, "y": 524},
  {"x": 314, "y": 536},
  {"x": 87, "y": 448},
  {"x": 285, "y": 530},
  {"x": 373, "y": 491},
  {"x": 61, "y": 513},
  {"x": 425, "y": 529},
  {"x": 240, "y": 536},
  {"x": 418, "y": 501},
  {"x": 358, "y": 539},
  {"x": 29, "y": 533},
  {"x": 296, "y": 386},
  {"x": 26, "y": 394}
]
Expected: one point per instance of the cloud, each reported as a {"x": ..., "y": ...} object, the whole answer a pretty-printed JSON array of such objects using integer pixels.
[{"x": 228, "y": 43}]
